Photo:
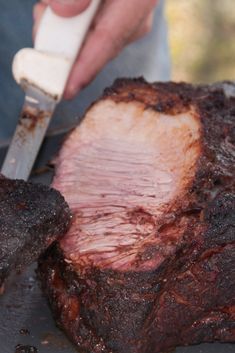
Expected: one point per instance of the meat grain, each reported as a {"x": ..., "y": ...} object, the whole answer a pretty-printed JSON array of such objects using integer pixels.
[{"x": 149, "y": 261}]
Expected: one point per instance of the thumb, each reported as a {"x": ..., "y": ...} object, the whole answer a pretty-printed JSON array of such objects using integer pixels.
[{"x": 69, "y": 8}]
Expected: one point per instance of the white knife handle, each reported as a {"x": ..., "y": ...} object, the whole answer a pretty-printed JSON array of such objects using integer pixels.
[
  {"x": 57, "y": 44},
  {"x": 64, "y": 36}
]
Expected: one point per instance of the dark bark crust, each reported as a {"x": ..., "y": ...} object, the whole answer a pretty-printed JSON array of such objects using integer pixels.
[
  {"x": 32, "y": 216},
  {"x": 188, "y": 299}
]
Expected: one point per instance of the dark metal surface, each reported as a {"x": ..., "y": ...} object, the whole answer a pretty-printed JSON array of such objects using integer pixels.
[{"x": 25, "y": 317}]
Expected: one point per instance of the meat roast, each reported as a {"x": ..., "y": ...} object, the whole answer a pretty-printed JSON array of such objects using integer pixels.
[
  {"x": 149, "y": 261},
  {"x": 32, "y": 216}
]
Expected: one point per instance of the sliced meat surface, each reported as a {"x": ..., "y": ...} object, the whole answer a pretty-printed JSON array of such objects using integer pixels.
[
  {"x": 149, "y": 260},
  {"x": 121, "y": 162},
  {"x": 32, "y": 216}
]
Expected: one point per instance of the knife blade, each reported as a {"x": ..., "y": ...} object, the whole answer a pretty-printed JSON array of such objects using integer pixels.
[
  {"x": 42, "y": 72},
  {"x": 32, "y": 125}
]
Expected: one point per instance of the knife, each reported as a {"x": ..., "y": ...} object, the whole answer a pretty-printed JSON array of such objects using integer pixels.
[{"x": 43, "y": 72}]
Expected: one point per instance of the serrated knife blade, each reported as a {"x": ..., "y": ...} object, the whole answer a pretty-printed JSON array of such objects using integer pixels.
[{"x": 29, "y": 134}]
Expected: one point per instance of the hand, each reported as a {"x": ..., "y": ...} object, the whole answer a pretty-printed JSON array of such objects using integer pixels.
[{"x": 117, "y": 23}]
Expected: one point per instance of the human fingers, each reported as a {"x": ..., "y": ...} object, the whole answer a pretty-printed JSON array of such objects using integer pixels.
[
  {"x": 144, "y": 29},
  {"x": 115, "y": 26},
  {"x": 68, "y": 8}
]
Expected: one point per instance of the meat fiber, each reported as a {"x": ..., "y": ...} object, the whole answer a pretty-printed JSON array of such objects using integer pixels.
[
  {"x": 149, "y": 261},
  {"x": 32, "y": 216}
]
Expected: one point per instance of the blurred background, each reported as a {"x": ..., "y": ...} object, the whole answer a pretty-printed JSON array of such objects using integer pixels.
[{"x": 202, "y": 39}]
